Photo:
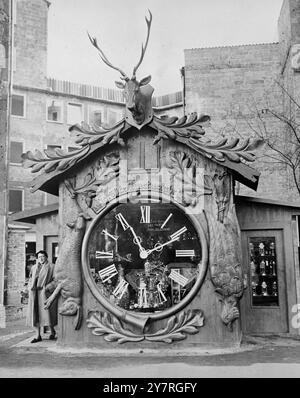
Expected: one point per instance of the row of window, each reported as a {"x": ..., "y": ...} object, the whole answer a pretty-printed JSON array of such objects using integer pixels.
[
  {"x": 97, "y": 115},
  {"x": 16, "y": 150}
]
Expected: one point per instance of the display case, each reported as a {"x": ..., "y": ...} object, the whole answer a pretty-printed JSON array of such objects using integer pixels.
[{"x": 263, "y": 270}]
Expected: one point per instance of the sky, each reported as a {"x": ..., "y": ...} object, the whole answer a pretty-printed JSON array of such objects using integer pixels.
[{"x": 120, "y": 28}]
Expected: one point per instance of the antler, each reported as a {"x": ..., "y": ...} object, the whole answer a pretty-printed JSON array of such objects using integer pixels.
[
  {"x": 104, "y": 58},
  {"x": 148, "y": 21}
]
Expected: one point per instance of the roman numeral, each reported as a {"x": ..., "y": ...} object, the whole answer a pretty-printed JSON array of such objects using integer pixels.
[
  {"x": 145, "y": 210},
  {"x": 166, "y": 220},
  {"x": 120, "y": 288},
  {"x": 104, "y": 254},
  {"x": 178, "y": 278},
  {"x": 122, "y": 220},
  {"x": 185, "y": 253},
  {"x": 105, "y": 232},
  {"x": 108, "y": 272},
  {"x": 177, "y": 234}
]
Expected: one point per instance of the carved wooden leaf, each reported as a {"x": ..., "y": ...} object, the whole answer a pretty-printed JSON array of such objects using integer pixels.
[{"x": 191, "y": 131}]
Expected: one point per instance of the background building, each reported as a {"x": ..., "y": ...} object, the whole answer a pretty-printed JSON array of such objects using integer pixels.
[
  {"x": 42, "y": 111},
  {"x": 226, "y": 83},
  {"x": 239, "y": 85}
]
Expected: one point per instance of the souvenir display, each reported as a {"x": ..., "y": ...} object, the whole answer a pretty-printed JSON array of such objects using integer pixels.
[{"x": 263, "y": 271}]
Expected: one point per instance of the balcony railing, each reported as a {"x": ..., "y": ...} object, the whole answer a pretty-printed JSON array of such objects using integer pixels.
[{"x": 107, "y": 94}]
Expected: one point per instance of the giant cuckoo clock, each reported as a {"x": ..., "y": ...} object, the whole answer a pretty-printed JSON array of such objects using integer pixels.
[{"x": 150, "y": 247}]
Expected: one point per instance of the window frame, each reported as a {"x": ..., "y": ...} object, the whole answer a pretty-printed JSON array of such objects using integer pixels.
[
  {"x": 23, "y": 199},
  {"x": 90, "y": 110},
  {"x": 24, "y": 105},
  {"x": 23, "y": 150},
  {"x": 82, "y": 112},
  {"x": 61, "y": 121}
]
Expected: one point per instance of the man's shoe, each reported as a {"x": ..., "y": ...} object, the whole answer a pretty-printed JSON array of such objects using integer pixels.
[{"x": 36, "y": 339}]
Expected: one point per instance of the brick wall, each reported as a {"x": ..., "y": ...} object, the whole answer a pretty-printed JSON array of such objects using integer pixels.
[
  {"x": 31, "y": 43},
  {"x": 229, "y": 84},
  {"x": 15, "y": 273}
]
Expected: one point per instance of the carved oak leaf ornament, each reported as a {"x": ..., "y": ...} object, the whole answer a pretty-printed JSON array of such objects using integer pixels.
[
  {"x": 186, "y": 130},
  {"x": 85, "y": 134},
  {"x": 183, "y": 168},
  {"x": 52, "y": 159},
  {"x": 107, "y": 169},
  {"x": 177, "y": 328},
  {"x": 190, "y": 132},
  {"x": 59, "y": 160}
]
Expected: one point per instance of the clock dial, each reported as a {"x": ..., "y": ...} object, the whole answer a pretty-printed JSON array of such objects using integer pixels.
[
  {"x": 144, "y": 257},
  {"x": 145, "y": 218},
  {"x": 107, "y": 273},
  {"x": 105, "y": 232}
]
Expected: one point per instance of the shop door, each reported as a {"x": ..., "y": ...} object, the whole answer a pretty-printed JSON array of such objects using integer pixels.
[
  {"x": 51, "y": 247},
  {"x": 264, "y": 305}
]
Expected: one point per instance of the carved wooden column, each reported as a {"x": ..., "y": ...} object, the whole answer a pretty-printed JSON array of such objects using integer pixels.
[{"x": 5, "y": 86}]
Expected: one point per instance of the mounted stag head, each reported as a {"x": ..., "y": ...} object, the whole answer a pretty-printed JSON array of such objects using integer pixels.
[{"x": 137, "y": 93}]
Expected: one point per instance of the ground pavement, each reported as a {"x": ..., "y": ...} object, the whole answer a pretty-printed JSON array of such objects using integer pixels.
[{"x": 258, "y": 356}]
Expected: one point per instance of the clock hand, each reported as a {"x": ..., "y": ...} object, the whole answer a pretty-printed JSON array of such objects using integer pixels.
[
  {"x": 160, "y": 246},
  {"x": 138, "y": 242}
]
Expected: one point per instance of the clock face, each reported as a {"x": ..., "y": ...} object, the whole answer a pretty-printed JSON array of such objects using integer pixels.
[{"x": 144, "y": 257}]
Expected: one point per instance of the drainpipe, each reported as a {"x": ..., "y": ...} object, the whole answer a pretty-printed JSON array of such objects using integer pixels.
[{"x": 182, "y": 75}]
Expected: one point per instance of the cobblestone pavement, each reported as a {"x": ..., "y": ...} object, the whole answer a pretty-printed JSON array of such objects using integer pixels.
[{"x": 257, "y": 357}]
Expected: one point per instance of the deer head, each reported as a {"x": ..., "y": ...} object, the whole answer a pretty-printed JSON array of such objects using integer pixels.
[{"x": 137, "y": 97}]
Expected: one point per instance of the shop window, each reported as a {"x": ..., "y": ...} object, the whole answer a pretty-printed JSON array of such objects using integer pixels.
[
  {"x": 15, "y": 200},
  {"x": 263, "y": 269},
  {"x": 54, "y": 111},
  {"x": 18, "y": 105},
  {"x": 16, "y": 150},
  {"x": 95, "y": 116},
  {"x": 74, "y": 115}
]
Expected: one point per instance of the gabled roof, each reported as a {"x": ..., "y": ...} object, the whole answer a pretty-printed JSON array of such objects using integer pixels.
[
  {"x": 30, "y": 216},
  {"x": 232, "y": 153}
]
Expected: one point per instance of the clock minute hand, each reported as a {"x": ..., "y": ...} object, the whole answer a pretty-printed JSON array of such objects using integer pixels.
[
  {"x": 160, "y": 246},
  {"x": 136, "y": 239}
]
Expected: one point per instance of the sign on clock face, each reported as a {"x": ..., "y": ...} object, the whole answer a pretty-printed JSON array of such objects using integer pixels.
[{"x": 144, "y": 257}]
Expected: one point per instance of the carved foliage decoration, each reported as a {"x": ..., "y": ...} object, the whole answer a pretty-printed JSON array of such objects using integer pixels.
[
  {"x": 99, "y": 176},
  {"x": 184, "y": 171},
  {"x": 221, "y": 183},
  {"x": 189, "y": 130},
  {"x": 225, "y": 264},
  {"x": 177, "y": 328},
  {"x": 67, "y": 271},
  {"x": 86, "y": 136},
  {"x": 52, "y": 159}
]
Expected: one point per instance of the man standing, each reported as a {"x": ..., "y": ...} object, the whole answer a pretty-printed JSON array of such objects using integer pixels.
[{"x": 40, "y": 288}]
